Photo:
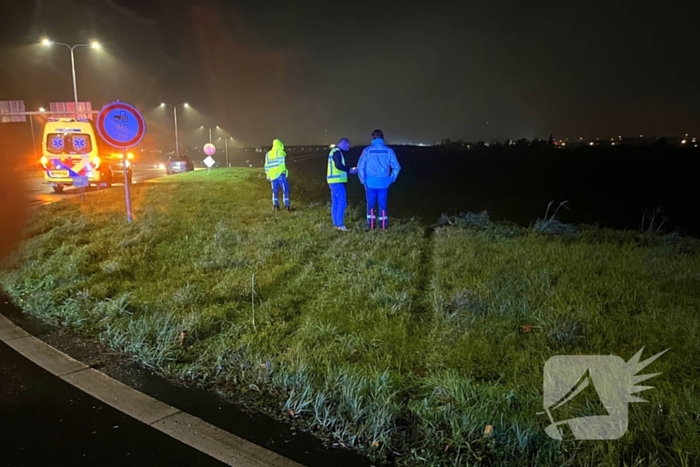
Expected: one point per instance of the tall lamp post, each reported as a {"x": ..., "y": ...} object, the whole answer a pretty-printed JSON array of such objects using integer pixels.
[
  {"x": 210, "y": 128},
  {"x": 93, "y": 45},
  {"x": 177, "y": 144},
  {"x": 226, "y": 147}
]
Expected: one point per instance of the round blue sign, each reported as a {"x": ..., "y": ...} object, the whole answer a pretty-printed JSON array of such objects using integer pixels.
[{"x": 121, "y": 125}]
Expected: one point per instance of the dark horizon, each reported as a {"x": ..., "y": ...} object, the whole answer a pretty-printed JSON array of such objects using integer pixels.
[{"x": 310, "y": 74}]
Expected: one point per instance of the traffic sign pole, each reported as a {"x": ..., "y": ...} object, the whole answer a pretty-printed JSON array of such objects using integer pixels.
[
  {"x": 80, "y": 182},
  {"x": 127, "y": 190},
  {"x": 122, "y": 126}
]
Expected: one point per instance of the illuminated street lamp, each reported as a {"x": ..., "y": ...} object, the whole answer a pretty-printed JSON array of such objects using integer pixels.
[
  {"x": 93, "y": 45},
  {"x": 163, "y": 104}
]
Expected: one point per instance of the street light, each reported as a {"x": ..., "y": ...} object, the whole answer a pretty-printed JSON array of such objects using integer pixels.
[
  {"x": 93, "y": 45},
  {"x": 163, "y": 104},
  {"x": 226, "y": 146},
  {"x": 217, "y": 127}
]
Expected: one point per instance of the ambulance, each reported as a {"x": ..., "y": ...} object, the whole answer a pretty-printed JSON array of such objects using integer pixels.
[{"x": 71, "y": 149}]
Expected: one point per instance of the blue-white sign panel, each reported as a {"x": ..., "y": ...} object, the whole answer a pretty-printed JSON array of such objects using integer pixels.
[{"x": 80, "y": 182}]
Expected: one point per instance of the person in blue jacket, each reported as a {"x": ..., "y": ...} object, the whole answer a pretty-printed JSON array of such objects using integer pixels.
[
  {"x": 377, "y": 169},
  {"x": 337, "y": 176}
]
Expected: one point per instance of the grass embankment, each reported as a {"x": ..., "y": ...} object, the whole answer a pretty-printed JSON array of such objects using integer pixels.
[{"x": 419, "y": 345}]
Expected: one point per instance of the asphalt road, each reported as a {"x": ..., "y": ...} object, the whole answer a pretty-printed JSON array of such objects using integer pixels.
[
  {"x": 46, "y": 421},
  {"x": 41, "y": 193}
]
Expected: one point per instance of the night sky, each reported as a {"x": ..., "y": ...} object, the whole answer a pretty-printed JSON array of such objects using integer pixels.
[{"x": 313, "y": 71}]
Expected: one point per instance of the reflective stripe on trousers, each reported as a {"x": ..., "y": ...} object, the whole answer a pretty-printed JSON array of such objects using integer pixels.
[
  {"x": 280, "y": 183},
  {"x": 377, "y": 196}
]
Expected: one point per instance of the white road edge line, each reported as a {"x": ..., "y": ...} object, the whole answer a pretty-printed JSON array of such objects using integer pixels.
[{"x": 188, "y": 429}]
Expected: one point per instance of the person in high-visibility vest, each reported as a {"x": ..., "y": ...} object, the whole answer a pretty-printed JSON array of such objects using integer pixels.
[
  {"x": 377, "y": 169},
  {"x": 276, "y": 171},
  {"x": 337, "y": 176}
]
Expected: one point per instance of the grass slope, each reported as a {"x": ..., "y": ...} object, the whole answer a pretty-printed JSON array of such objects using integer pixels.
[{"x": 417, "y": 345}]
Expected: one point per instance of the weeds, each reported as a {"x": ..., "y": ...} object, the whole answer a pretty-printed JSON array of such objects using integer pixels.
[
  {"x": 650, "y": 223},
  {"x": 398, "y": 343},
  {"x": 551, "y": 225}
]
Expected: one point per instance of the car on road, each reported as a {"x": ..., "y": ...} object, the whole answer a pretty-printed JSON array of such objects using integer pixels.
[
  {"x": 179, "y": 164},
  {"x": 113, "y": 169}
]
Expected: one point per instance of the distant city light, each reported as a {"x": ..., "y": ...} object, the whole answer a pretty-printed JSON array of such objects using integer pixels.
[
  {"x": 684, "y": 141},
  {"x": 591, "y": 143}
]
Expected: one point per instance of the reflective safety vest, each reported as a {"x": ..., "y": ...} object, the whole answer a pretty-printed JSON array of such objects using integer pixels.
[
  {"x": 274, "y": 164},
  {"x": 333, "y": 174}
]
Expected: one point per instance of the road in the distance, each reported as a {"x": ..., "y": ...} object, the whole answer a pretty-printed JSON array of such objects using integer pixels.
[{"x": 41, "y": 193}]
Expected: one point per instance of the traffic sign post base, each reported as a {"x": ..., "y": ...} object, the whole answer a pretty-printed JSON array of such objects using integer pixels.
[{"x": 81, "y": 182}]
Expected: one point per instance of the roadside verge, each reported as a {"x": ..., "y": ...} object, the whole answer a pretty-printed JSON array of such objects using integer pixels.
[{"x": 180, "y": 425}]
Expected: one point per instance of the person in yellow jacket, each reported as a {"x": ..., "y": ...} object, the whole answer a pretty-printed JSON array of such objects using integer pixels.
[
  {"x": 337, "y": 176},
  {"x": 276, "y": 171}
]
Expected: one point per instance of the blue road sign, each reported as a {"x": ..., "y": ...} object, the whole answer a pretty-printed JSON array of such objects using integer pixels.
[
  {"x": 121, "y": 125},
  {"x": 81, "y": 181}
]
